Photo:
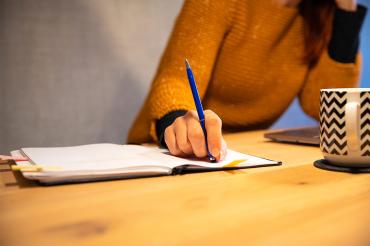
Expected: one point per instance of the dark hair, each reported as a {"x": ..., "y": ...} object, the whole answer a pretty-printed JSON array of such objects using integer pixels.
[{"x": 317, "y": 17}]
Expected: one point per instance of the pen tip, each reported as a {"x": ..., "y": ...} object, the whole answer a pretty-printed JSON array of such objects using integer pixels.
[{"x": 187, "y": 63}]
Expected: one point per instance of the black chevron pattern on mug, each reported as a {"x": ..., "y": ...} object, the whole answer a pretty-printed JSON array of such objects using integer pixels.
[
  {"x": 332, "y": 122},
  {"x": 365, "y": 123}
]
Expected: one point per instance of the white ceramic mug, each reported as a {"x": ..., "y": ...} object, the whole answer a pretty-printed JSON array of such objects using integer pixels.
[{"x": 345, "y": 126}]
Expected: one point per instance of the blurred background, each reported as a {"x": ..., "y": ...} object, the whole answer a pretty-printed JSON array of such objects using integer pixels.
[{"x": 76, "y": 72}]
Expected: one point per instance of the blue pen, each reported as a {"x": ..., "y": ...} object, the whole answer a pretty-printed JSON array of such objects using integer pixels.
[{"x": 198, "y": 105}]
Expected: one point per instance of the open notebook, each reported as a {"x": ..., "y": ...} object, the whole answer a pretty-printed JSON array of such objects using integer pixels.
[{"x": 113, "y": 161}]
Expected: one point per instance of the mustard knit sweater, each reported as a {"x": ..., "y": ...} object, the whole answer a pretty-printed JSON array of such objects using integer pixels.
[{"x": 247, "y": 60}]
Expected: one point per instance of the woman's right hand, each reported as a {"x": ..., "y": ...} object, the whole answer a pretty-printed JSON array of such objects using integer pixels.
[{"x": 185, "y": 137}]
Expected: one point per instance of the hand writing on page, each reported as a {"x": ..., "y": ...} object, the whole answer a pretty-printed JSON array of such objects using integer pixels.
[
  {"x": 185, "y": 136},
  {"x": 348, "y": 5}
]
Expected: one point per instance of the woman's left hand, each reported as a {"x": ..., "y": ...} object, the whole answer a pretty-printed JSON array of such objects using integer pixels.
[{"x": 348, "y": 5}]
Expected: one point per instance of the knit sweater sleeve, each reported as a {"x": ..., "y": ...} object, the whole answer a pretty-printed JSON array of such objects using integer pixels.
[
  {"x": 328, "y": 73},
  {"x": 336, "y": 67},
  {"x": 197, "y": 35}
]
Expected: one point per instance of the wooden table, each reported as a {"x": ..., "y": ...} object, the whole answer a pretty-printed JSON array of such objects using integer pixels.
[{"x": 294, "y": 204}]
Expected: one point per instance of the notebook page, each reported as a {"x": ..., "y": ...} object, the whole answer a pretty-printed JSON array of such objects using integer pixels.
[
  {"x": 101, "y": 157},
  {"x": 77, "y": 176},
  {"x": 232, "y": 159},
  {"x": 109, "y": 158}
]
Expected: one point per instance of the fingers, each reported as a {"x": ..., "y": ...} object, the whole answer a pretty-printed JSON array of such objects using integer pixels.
[
  {"x": 176, "y": 138},
  {"x": 181, "y": 135},
  {"x": 196, "y": 137},
  {"x": 223, "y": 151},
  {"x": 214, "y": 133},
  {"x": 170, "y": 139},
  {"x": 186, "y": 137}
]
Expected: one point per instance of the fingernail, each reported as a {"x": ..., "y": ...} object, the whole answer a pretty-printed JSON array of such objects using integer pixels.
[{"x": 215, "y": 152}]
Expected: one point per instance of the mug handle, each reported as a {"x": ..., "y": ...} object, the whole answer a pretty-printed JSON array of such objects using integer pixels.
[{"x": 352, "y": 125}]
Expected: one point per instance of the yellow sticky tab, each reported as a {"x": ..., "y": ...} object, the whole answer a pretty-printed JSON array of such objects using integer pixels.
[
  {"x": 235, "y": 163},
  {"x": 26, "y": 168},
  {"x": 34, "y": 168}
]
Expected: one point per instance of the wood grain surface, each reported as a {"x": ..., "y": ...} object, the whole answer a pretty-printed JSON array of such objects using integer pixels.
[{"x": 293, "y": 204}]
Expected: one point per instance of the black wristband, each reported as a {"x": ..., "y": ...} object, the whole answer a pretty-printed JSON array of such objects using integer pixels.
[
  {"x": 344, "y": 42},
  {"x": 164, "y": 122}
]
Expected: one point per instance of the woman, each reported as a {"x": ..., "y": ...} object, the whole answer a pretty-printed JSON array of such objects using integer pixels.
[{"x": 250, "y": 59}]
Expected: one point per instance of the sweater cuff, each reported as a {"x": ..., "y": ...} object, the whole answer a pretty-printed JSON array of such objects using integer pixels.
[
  {"x": 344, "y": 42},
  {"x": 164, "y": 122}
]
